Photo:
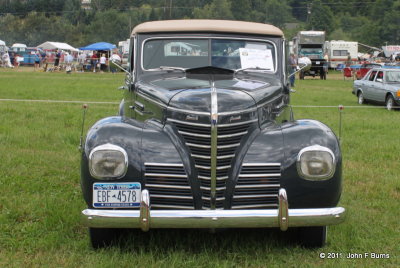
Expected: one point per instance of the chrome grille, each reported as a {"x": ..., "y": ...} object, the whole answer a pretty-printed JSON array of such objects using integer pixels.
[
  {"x": 258, "y": 186},
  {"x": 168, "y": 186},
  {"x": 198, "y": 139}
]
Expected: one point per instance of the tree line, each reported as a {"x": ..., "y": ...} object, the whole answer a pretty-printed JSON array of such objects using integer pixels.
[{"x": 373, "y": 22}]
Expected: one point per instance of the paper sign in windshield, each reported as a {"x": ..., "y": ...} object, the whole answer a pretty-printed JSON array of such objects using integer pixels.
[{"x": 253, "y": 58}]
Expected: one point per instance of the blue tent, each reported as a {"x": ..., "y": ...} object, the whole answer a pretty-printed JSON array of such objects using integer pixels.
[{"x": 99, "y": 46}]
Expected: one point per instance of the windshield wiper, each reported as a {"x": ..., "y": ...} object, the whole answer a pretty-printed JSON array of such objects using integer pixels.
[
  {"x": 169, "y": 68},
  {"x": 252, "y": 69}
]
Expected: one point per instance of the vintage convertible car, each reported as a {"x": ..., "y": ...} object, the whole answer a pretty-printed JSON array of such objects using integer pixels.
[
  {"x": 205, "y": 138},
  {"x": 380, "y": 85}
]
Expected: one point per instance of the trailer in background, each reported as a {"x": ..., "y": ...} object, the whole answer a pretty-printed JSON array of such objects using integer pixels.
[{"x": 339, "y": 51}]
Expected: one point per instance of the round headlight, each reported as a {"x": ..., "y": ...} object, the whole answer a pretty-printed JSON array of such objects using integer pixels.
[
  {"x": 108, "y": 161},
  {"x": 316, "y": 163}
]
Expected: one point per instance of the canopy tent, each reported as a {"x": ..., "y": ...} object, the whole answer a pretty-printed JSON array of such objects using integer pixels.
[
  {"x": 99, "y": 46},
  {"x": 57, "y": 45},
  {"x": 2, "y": 43}
]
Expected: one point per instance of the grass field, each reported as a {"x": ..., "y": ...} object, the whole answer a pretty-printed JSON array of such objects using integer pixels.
[{"x": 41, "y": 200}]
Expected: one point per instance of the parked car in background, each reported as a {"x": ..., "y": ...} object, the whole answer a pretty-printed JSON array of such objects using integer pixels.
[
  {"x": 379, "y": 85},
  {"x": 364, "y": 68},
  {"x": 205, "y": 138}
]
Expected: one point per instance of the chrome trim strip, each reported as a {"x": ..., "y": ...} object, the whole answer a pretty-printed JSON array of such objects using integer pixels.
[
  {"x": 232, "y": 135},
  {"x": 171, "y": 196},
  {"x": 256, "y": 186},
  {"x": 249, "y": 110},
  {"x": 165, "y": 175},
  {"x": 194, "y": 134},
  {"x": 214, "y": 144},
  {"x": 268, "y": 175},
  {"x": 188, "y": 123},
  {"x": 254, "y": 196},
  {"x": 225, "y": 156},
  {"x": 144, "y": 218},
  {"x": 239, "y": 123},
  {"x": 216, "y": 198},
  {"x": 202, "y": 167},
  {"x": 223, "y": 167},
  {"x": 261, "y": 164},
  {"x": 251, "y": 218},
  {"x": 167, "y": 186},
  {"x": 208, "y": 178},
  {"x": 163, "y": 164},
  {"x": 254, "y": 206},
  {"x": 283, "y": 214},
  {"x": 198, "y": 145},
  {"x": 201, "y": 156},
  {"x": 171, "y": 206},
  {"x": 209, "y": 188},
  {"x": 228, "y": 146}
]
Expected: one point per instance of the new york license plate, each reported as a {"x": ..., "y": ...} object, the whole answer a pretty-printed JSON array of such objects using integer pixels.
[{"x": 116, "y": 195}]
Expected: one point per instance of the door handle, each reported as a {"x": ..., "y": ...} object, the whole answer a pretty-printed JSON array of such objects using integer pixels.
[{"x": 139, "y": 106}]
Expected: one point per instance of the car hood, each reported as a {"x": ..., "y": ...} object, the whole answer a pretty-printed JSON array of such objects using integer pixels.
[{"x": 234, "y": 92}]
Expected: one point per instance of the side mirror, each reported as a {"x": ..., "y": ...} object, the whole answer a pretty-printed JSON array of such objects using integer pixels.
[
  {"x": 302, "y": 67},
  {"x": 380, "y": 80},
  {"x": 129, "y": 75}
]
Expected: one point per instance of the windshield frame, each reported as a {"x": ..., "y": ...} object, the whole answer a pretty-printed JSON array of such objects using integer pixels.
[{"x": 209, "y": 38}]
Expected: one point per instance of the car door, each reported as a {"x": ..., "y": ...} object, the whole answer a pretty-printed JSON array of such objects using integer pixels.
[
  {"x": 367, "y": 88},
  {"x": 378, "y": 87}
]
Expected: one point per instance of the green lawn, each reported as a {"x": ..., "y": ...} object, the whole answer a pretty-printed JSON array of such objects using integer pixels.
[{"x": 41, "y": 200}]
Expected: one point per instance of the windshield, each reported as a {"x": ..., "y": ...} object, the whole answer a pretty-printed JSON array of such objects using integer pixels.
[
  {"x": 304, "y": 52},
  {"x": 223, "y": 53},
  {"x": 393, "y": 77}
]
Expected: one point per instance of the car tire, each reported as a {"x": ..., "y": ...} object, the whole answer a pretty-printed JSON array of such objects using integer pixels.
[
  {"x": 312, "y": 237},
  {"x": 360, "y": 97},
  {"x": 389, "y": 103},
  {"x": 103, "y": 237}
]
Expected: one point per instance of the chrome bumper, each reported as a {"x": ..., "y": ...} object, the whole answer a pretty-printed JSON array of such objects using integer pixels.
[{"x": 283, "y": 217}]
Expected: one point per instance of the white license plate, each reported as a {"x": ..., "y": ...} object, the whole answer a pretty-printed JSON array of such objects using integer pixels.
[
  {"x": 116, "y": 195},
  {"x": 317, "y": 62}
]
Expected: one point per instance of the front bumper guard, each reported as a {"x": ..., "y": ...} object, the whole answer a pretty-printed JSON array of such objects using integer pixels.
[{"x": 145, "y": 218}]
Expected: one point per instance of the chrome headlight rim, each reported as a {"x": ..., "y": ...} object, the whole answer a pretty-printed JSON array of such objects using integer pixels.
[
  {"x": 108, "y": 147},
  {"x": 316, "y": 148}
]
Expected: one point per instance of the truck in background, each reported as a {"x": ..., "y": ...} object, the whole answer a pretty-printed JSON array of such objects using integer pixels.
[
  {"x": 311, "y": 44},
  {"x": 339, "y": 50}
]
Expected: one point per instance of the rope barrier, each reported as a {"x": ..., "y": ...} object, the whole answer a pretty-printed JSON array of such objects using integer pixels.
[
  {"x": 110, "y": 102},
  {"x": 60, "y": 101}
]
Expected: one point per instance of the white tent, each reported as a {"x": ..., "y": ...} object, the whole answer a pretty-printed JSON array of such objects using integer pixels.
[
  {"x": 57, "y": 45},
  {"x": 2, "y": 43}
]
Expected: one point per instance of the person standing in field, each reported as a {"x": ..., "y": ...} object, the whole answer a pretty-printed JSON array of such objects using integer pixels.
[
  {"x": 292, "y": 68},
  {"x": 94, "y": 60},
  {"x": 36, "y": 59},
  {"x": 103, "y": 62}
]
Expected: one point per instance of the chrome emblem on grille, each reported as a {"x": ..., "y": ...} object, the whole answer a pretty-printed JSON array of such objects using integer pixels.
[
  {"x": 235, "y": 118},
  {"x": 190, "y": 117}
]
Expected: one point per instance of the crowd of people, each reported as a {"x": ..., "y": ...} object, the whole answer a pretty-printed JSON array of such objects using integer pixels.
[{"x": 68, "y": 61}]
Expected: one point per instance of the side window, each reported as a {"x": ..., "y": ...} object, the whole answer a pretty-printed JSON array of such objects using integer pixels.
[
  {"x": 379, "y": 77},
  {"x": 372, "y": 76}
]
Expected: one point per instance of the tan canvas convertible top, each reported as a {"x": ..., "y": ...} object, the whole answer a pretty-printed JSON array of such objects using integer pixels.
[{"x": 226, "y": 26}]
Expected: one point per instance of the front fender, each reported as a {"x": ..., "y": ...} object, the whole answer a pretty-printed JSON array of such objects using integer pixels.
[{"x": 305, "y": 193}]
